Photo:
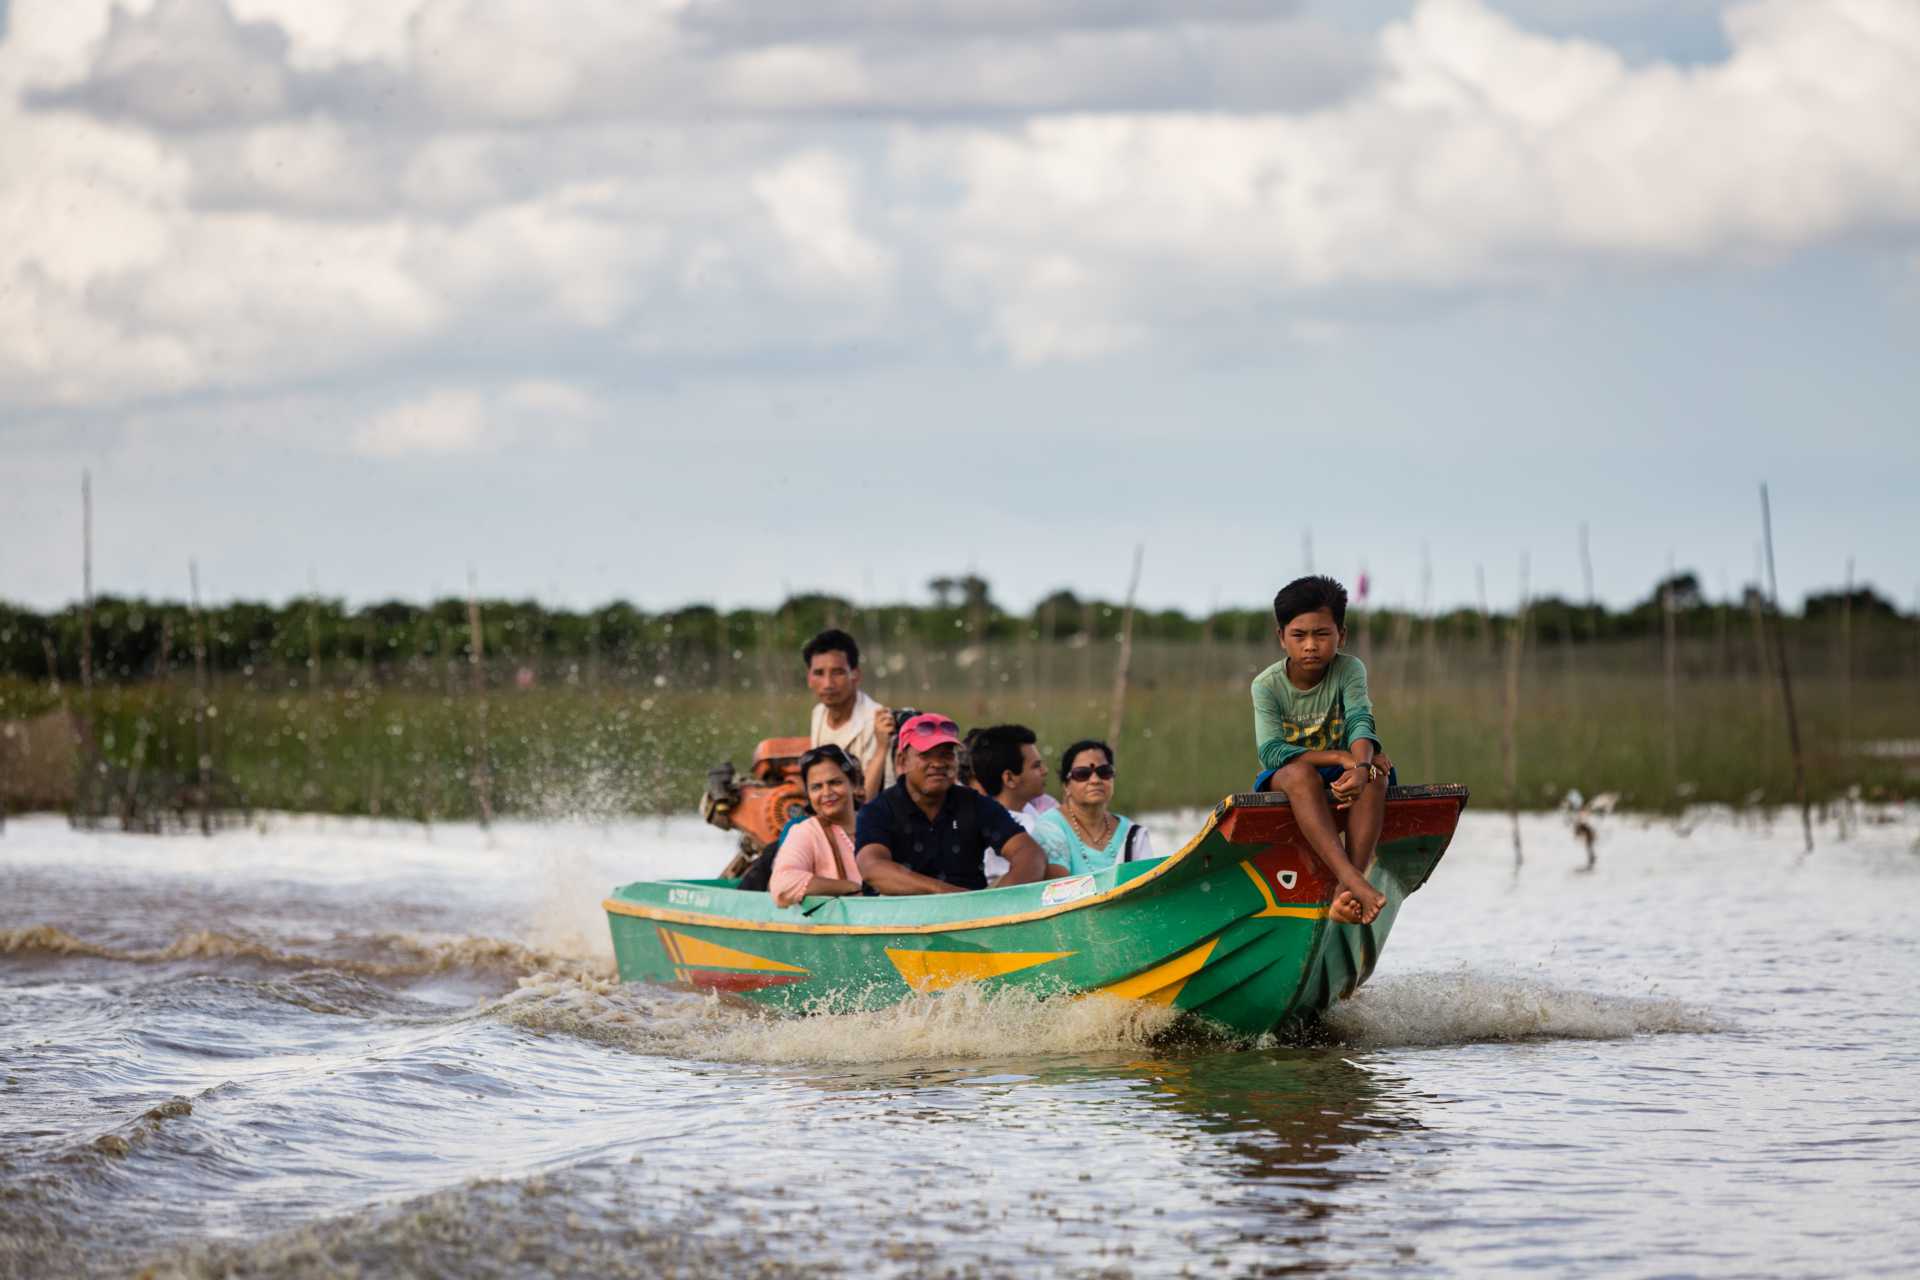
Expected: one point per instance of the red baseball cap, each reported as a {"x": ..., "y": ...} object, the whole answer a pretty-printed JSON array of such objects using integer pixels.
[{"x": 928, "y": 730}]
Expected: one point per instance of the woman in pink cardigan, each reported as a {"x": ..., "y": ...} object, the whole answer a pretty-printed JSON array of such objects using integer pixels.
[{"x": 817, "y": 855}]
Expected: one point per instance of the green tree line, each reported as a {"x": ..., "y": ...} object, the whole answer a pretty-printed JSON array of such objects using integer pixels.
[{"x": 134, "y": 639}]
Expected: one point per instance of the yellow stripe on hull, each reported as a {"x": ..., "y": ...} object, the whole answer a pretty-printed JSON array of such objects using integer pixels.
[
  {"x": 938, "y": 970},
  {"x": 697, "y": 953},
  {"x": 1163, "y": 983}
]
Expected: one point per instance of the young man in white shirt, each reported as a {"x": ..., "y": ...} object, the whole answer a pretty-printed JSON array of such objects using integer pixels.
[
  {"x": 1007, "y": 767},
  {"x": 843, "y": 715}
]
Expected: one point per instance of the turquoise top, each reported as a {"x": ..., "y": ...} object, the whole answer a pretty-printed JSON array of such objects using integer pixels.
[
  {"x": 1063, "y": 847},
  {"x": 1331, "y": 716}
]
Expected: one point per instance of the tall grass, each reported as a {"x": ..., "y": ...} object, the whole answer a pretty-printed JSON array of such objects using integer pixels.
[{"x": 1594, "y": 718}]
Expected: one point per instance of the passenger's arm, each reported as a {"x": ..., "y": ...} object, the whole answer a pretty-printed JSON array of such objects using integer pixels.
[
  {"x": 819, "y": 887},
  {"x": 1359, "y": 708},
  {"x": 876, "y": 763},
  {"x": 1025, "y": 862},
  {"x": 887, "y": 876},
  {"x": 1269, "y": 731}
]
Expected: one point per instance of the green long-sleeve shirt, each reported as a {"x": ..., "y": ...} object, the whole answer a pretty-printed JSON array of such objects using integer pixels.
[{"x": 1331, "y": 716}]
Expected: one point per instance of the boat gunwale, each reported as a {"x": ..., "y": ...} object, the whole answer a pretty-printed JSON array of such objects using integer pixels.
[{"x": 1237, "y": 800}]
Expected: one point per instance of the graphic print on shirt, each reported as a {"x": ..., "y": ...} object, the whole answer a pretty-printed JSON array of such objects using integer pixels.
[{"x": 1328, "y": 733}]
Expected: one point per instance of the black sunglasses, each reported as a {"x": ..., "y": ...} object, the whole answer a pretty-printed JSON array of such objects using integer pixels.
[
  {"x": 828, "y": 752},
  {"x": 1081, "y": 772}
]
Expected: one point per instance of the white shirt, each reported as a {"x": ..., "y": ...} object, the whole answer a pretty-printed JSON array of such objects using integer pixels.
[
  {"x": 856, "y": 737},
  {"x": 996, "y": 866}
]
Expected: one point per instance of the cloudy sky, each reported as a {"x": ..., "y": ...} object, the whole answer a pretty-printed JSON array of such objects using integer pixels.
[{"x": 673, "y": 300}]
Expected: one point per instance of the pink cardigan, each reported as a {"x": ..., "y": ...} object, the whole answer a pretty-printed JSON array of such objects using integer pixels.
[{"x": 806, "y": 854}]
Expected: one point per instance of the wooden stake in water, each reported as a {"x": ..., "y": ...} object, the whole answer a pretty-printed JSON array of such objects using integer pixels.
[
  {"x": 1486, "y": 615},
  {"x": 1670, "y": 636},
  {"x": 86, "y": 588},
  {"x": 313, "y": 630},
  {"x": 1429, "y": 662},
  {"x": 1844, "y": 805},
  {"x": 1786, "y": 679},
  {"x": 91, "y": 801},
  {"x": 1509, "y": 744},
  {"x": 1117, "y": 708},
  {"x": 476, "y": 659},
  {"x": 1203, "y": 679},
  {"x": 203, "y": 749}
]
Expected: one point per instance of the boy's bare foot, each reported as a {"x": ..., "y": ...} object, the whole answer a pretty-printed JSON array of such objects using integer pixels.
[{"x": 1349, "y": 908}]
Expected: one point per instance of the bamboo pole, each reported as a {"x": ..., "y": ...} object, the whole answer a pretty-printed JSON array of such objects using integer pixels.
[
  {"x": 1846, "y": 662},
  {"x": 980, "y": 677},
  {"x": 86, "y": 589},
  {"x": 1117, "y": 708},
  {"x": 1204, "y": 681},
  {"x": 1429, "y": 664},
  {"x": 313, "y": 631},
  {"x": 1486, "y": 615},
  {"x": 1509, "y": 738},
  {"x": 1786, "y": 678},
  {"x": 1089, "y": 619},
  {"x": 1843, "y": 804},
  {"x": 203, "y": 749},
  {"x": 1586, "y": 577},
  {"x": 1670, "y": 639},
  {"x": 95, "y": 783},
  {"x": 1049, "y": 637},
  {"x": 482, "y": 776},
  {"x": 1764, "y": 680}
]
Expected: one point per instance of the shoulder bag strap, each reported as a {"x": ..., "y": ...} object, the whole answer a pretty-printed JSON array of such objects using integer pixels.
[{"x": 833, "y": 847}]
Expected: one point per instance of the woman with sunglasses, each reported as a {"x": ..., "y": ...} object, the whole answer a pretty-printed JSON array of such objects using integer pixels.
[
  {"x": 1083, "y": 835},
  {"x": 817, "y": 858}
]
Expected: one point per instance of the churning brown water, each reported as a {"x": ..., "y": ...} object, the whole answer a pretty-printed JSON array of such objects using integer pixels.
[{"x": 328, "y": 1047}]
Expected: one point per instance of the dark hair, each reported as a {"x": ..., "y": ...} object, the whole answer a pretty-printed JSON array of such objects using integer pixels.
[
  {"x": 1310, "y": 595},
  {"x": 1085, "y": 744},
  {"x": 996, "y": 753},
  {"x": 832, "y": 755},
  {"x": 832, "y": 640}
]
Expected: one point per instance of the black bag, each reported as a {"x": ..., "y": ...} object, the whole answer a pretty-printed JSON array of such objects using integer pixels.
[{"x": 759, "y": 872}]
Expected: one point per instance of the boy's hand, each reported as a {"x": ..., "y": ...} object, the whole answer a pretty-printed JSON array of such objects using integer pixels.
[{"x": 1346, "y": 787}]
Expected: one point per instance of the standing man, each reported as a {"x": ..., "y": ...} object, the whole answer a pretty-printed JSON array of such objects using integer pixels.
[
  {"x": 1007, "y": 767},
  {"x": 843, "y": 715},
  {"x": 925, "y": 835}
]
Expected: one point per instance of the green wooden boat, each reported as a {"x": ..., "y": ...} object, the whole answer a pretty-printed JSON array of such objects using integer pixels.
[{"x": 1233, "y": 928}]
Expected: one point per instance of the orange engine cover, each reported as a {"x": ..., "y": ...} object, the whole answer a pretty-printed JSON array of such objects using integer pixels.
[
  {"x": 764, "y": 809},
  {"x": 777, "y": 759}
]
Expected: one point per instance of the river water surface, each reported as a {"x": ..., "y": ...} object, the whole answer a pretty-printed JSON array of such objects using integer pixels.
[{"x": 322, "y": 1047}]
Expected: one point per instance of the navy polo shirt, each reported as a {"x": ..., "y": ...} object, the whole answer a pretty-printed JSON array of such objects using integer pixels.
[{"x": 947, "y": 848}]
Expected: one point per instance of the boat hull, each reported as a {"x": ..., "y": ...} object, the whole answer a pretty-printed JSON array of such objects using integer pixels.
[{"x": 1232, "y": 928}]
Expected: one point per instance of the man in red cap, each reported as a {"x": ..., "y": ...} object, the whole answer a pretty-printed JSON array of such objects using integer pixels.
[{"x": 925, "y": 835}]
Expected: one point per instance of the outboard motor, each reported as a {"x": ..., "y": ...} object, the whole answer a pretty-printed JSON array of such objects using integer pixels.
[{"x": 759, "y": 806}]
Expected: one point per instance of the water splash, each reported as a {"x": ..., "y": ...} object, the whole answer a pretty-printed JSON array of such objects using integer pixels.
[
  {"x": 965, "y": 1023},
  {"x": 1467, "y": 1008}
]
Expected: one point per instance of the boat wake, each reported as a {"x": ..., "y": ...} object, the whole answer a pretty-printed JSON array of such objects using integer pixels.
[
  {"x": 964, "y": 1024},
  {"x": 1466, "y": 1008},
  {"x": 388, "y": 955}
]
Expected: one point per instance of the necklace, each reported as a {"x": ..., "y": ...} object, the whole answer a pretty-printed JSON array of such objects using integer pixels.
[{"x": 1086, "y": 837}]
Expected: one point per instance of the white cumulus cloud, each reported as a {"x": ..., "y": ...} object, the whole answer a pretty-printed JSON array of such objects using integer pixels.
[{"x": 224, "y": 196}]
